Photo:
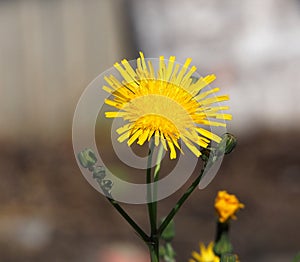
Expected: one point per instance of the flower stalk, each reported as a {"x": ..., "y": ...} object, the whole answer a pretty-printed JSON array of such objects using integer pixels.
[{"x": 152, "y": 201}]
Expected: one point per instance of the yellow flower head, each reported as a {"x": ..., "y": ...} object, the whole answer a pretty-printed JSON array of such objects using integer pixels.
[
  {"x": 205, "y": 255},
  {"x": 227, "y": 205},
  {"x": 168, "y": 105}
]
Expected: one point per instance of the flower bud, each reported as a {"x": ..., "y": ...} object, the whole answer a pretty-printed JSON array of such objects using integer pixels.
[
  {"x": 99, "y": 172},
  {"x": 106, "y": 185},
  {"x": 227, "y": 205},
  {"x": 227, "y": 144},
  {"x": 223, "y": 245},
  {"x": 228, "y": 258},
  {"x": 87, "y": 158}
]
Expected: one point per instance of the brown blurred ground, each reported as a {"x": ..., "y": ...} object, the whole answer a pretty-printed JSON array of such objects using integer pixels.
[{"x": 49, "y": 212}]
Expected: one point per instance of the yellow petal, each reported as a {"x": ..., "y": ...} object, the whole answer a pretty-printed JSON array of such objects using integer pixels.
[
  {"x": 129, "y": 69},
  {"x": 170, "y": 68},
  {"x": 134, "y": 137},
  {"x": 183, "y": 70},
  {"x": 124, "y": 136},
  {"x": 114, "y": 114},
  {"x": 143, "y": 137},
  {"x": 212, "y": 100},
  {"x": 194, "y": 150},
  {"x": 172, "y": 150},
  {"x": 156, "y": 137},
  {"x": 205, "y": 94},
  {"x": 163, "y": 141},
  {"x": 124, "y": 128},
  {"x": 209, "y": 134}
]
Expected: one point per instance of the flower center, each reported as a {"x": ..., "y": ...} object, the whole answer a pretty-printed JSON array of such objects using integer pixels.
[
  {"x": 158, "y": 112},
  {"x": 155, "y": 122}
]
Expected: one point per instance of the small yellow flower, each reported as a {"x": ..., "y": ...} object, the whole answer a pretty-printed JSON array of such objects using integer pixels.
[
  {"x": 227, "y": 205},
  {"x": 168, "y": 105},
  {"x": 205, "y": 255}
]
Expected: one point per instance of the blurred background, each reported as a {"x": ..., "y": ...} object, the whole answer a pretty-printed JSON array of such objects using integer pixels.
[{"x": 49, "y": 52}]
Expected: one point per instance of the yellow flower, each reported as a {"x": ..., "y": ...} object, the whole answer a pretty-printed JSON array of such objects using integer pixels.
[
  {"x": 226, "y": 206},
  {"x": 205, "y": 255},
  {"x": 166, "y": 104}
]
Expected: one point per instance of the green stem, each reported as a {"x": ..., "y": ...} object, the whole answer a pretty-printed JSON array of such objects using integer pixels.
[
  {"x": 149, "y": 189},
  {"x": 156, "y": 177},
  {"x": 131, "y": 222},
  {"x": 158, "y": 162},
  {"x": 179, "y": 203},
  {"x": 152, "y": 202},
  {"x": 222, "y": 228},
  {"x": 124, "y": 214},
  {"x": 154, "y": 255}
]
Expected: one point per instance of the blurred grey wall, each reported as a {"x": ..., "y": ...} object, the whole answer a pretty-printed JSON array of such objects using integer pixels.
[
  {"x": 253, "y": 46},
  {"x": 49, "y": 51}
]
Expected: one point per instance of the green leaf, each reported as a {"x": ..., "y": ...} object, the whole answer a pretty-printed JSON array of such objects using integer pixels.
[
  {"x": 296, "y": 258},
  {"x": 162, "y": 251},
  {"x": 169, "y": 233},
  {"x": 170, "y": 251}
]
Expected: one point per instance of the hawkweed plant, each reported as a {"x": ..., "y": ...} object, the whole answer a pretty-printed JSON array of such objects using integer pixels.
[{"x": 169, "y": 108}]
